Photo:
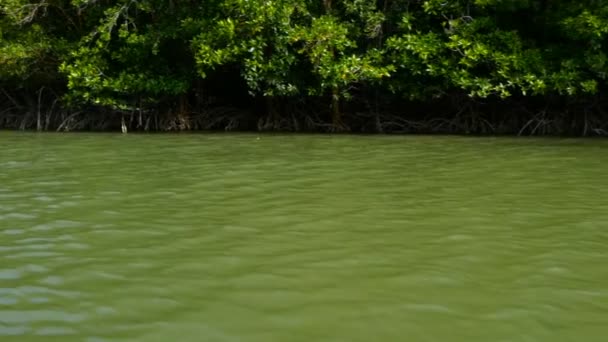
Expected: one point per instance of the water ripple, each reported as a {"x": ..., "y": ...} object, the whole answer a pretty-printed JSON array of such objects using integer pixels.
[{"x": 302, "y": 238}]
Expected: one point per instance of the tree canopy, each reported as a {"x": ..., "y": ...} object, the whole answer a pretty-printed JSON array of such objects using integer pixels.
[{"x": 337, "y": 55}]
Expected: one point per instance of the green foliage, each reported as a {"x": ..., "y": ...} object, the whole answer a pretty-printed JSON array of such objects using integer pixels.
[
  {"x": 255, "y": 36},
  {"x": 129, "y": 56},
  {"x": 334, "y": 56},
  {"x": 20, "y": 51},
  {"x": 143, "y": 52},
  {"x": 27, "y": 49}
]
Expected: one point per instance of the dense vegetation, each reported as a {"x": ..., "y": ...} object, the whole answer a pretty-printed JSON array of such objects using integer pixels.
[{"x": 478, "y": 66}]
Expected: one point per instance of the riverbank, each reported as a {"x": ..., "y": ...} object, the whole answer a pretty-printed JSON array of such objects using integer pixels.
[
  {"x": 294, "y": 66},
  {"x": 441, "y": 117}
]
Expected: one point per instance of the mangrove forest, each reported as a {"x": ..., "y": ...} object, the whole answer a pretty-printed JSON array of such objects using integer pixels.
[{"x": 527, "y": 67}]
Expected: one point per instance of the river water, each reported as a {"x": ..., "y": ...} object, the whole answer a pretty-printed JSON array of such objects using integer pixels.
[{"x": 189, "y": 237}]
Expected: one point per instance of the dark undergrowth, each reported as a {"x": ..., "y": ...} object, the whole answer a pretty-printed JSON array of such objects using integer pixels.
[{"x": 546, "y": 116}]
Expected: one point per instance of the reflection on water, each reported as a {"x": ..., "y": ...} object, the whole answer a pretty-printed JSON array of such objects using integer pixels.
[{"x": 302, "y": 238}]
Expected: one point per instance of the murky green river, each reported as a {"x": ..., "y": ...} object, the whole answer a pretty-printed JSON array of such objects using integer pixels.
[{"x": 302, "y": 238}]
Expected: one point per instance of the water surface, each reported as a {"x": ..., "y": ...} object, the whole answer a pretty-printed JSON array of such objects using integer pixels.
[{"x": 302, "y": 238}]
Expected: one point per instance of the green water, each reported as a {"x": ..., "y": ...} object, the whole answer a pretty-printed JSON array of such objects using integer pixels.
[{"x": 302, "y": 238}]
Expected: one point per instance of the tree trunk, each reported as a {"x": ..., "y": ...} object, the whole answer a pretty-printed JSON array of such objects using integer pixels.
[
  {"x": 271, "y": 113},
  {"x": 336, "y": 114}
]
